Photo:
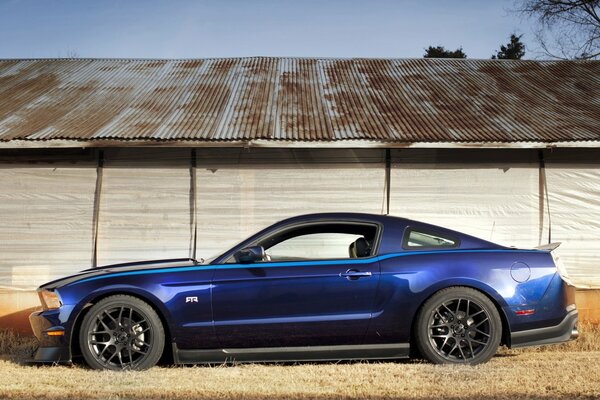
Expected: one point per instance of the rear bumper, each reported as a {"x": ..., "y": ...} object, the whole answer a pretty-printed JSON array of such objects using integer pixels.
[
  {"x": 53, "y": 349},
  {"x": 563, "y": 332}
]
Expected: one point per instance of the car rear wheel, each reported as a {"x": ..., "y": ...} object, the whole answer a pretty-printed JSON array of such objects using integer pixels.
[
  {"x": 458, "y": 325},
  {"x": 121, "y": 333}
]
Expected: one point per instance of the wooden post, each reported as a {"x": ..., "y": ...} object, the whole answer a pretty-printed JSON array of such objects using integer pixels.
[{"x": 96, "y": 215}]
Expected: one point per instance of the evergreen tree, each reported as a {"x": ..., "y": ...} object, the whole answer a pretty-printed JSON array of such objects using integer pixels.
[
  {"x": 441, "y": 52},
  {"x": 514, "y": 50}
]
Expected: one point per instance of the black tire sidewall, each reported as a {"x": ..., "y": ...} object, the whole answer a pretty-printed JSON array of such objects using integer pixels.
[
  {"x": 421, "y": 333},
  {"x": 140, "y": 306}
]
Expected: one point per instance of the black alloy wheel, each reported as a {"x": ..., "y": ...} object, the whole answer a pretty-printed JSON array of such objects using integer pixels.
[
  {"x": 121, "y": 333},
  {"x": 458, "y": 325}
]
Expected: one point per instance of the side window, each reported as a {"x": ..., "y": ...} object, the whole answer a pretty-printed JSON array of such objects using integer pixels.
[
  {"x": 320, "y": 241},
  {"x": 315, "y": 246},
  {"x": 422, "y": 239}
]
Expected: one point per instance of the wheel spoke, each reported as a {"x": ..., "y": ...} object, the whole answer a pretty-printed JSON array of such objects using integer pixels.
[
  {"x": 142, "y": 331},
  {"x": 482, "y": 332},
  {"x": 440, "y": 315},
  {"x": 446, "y": 307},
  {"x": 140, "y": 322},
  {"x": 445, "y": 342},
  {"x": 103, "y": 350},
  {"x": 98, "y": 332},
  {"x": 120, "y": 358},
  {"x": 121, "y": 316},
  {"x": 471, "y": 347},
  {"x": 457, "y": 306},
  {"x": 112, "y": 318},
  {"x": 477, "y": 313},
  {"x": 453, "y": 347},
  {"x": 461, "y": 352},
  {"x": 103, "y": 324},
  {"x": 111, "y": 357},
  {"x": 480, "y": 322}
]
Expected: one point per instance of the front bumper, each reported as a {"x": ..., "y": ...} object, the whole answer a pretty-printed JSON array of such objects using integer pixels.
[
  {"x": 52, "y": 349},
  {"x": 566, "y": 330}
]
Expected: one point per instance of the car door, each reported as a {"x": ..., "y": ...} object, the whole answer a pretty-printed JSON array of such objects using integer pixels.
[{"x": 290, "y": 301}]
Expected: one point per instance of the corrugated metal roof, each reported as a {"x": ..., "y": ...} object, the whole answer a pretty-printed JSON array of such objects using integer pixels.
[{"x": 285, "y": 100}]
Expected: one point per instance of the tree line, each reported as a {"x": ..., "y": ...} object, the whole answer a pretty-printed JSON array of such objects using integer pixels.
[
  {"x": 566, "y": 29},
  {"x": 513, "y": 50}
]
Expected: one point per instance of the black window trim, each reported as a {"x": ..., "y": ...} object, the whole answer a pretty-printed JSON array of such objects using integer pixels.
[
  {"x": 409, "y": 229},
  {"x": 326, "y": 221}
]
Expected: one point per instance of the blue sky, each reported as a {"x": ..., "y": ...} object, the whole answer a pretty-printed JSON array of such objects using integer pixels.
[{"x": 234, "y": 28}]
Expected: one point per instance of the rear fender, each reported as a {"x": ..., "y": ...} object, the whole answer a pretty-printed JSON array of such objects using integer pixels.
[{"x": 474, "y": 284}]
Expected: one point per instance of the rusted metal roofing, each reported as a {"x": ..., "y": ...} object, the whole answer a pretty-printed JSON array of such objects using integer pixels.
[{"x": 297, "y": 100}]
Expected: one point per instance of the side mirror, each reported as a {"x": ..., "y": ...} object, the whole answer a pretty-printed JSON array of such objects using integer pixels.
[{"x": 250, "y": 254}]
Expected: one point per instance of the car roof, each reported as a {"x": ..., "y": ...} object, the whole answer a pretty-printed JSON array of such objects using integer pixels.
[{"x": 390, "y": 221}]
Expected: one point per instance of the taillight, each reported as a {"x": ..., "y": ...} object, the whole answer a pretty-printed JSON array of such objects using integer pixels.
[{"x": 560, "y": 267}]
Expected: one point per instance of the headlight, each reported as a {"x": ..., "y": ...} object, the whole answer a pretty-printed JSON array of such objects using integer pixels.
[{"x": 50, "y": 300}]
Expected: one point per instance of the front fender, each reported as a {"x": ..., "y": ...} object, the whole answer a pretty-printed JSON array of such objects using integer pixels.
[
  {"x": 136, "y": 291},
  {"x": 81, "y": 306}
]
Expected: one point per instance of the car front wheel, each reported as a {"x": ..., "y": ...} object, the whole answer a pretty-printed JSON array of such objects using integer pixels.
[
  {"x": 121, "y": 333},
  {"x": 458, "y": 325}
]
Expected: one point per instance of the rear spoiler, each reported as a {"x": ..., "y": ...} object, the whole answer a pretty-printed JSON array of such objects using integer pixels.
[
  {"x": 549, "y": 246},
  {"x": 560, "y": 267}
]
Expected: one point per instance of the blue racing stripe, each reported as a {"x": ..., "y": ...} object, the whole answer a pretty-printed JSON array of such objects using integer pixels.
[{"x": 293, "y": 263}]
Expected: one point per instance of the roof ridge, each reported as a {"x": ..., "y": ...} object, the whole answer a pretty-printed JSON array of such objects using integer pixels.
[{"x": 292, "y": 58}]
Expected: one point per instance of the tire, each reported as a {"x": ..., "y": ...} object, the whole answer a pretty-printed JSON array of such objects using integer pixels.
[
  {"x": 458, "y": 325},
  {"x": 121, "y": 333}
]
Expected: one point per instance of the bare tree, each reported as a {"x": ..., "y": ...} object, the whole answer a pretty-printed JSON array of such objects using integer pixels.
[{"x": 568, "y": 29}]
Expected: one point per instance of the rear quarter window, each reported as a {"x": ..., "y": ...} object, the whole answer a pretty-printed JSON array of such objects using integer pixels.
[{"x": 421, "y": 239}]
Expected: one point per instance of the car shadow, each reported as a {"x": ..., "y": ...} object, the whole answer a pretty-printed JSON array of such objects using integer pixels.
[{"x": 233, "y": 363}]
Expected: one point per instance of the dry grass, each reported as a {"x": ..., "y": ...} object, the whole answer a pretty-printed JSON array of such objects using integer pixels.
[
  {"x": 15, "y": 347},
  {"x": 568, "y": 371}
]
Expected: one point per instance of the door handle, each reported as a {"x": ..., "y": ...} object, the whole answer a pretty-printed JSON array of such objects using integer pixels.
[{"x": 353, "y": 274}]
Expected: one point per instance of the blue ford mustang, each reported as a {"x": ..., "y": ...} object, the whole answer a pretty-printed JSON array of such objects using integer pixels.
[{"x": 314, "y": 287}]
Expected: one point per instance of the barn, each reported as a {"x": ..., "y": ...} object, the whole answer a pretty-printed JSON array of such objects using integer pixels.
[{"x": 114, "y": 160}]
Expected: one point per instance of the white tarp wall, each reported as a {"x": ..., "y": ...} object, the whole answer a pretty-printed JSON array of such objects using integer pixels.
[
  {"x": 144, "y": 205},
  {"x": 46, "y": 229},
  {"x": 240, "y": 191},
  {"x": 574, "y": 192},
  {"x": 501, "y": 197},
  {"x": 145, "y": 208},
  {"x": 493, "y": 200},
  {"x": 45, "y": 221}
]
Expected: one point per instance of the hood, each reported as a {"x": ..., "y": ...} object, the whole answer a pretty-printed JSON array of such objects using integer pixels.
[{"x": 107, "y": 269}]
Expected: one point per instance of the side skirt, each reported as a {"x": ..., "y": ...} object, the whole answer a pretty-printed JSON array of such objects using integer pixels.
[{"x": 291, "y": 354}]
